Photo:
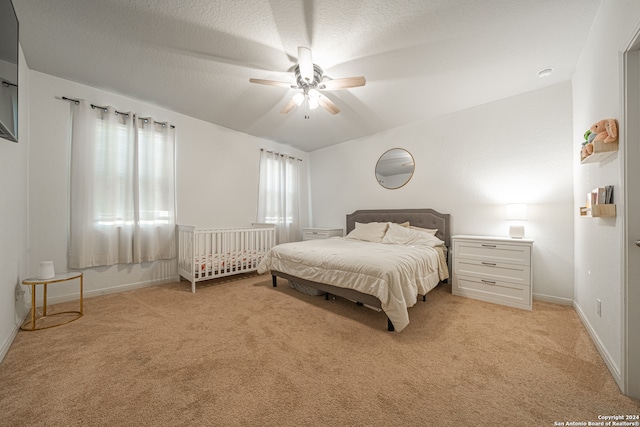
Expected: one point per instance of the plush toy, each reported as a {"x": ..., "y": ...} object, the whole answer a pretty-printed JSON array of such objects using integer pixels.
[
  {"x": 583, "y": 152},
  {"x": 587, "y": 144},
  {"x": 605, "y": 130}
]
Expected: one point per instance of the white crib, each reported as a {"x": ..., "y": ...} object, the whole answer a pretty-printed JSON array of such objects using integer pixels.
[{"x": 211, "y": 253}]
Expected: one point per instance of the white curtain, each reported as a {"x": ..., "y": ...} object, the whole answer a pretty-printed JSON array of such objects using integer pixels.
[
  {"x": 155, "y": 223},
  {"x": 279, "y": 195},
  {"x": 122, "y": 188}
]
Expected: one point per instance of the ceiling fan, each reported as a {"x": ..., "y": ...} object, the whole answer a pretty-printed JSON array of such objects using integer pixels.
[{"x": 309, "y": 81}]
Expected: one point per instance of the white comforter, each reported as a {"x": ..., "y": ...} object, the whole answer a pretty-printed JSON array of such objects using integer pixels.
[{"x": 394, "y": 273}]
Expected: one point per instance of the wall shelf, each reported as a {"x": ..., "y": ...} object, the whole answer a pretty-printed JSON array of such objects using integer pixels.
[
  {"x": 598, "y": 211},
  {"x": 601, "y": 151}
]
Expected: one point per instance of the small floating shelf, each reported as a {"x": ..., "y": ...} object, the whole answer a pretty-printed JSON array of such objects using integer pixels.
[
  {"x": 601, "y": 151},
  {"x": 599, "y": 211}
]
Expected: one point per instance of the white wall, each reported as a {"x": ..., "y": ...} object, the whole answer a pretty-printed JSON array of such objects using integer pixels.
[
  {"x": 13, "y": 218},
  {"x": 470, "y": 164},
  {"x": 597, "y": 95},
  {"x": 216, "y": 184}
]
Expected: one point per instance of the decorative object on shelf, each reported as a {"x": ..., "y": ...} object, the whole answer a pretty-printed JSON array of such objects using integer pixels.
[
  {"x": 46, "y": 270},
  {"x": 599, "y": 203},
  {"x": 605, "y": 130},
  {"x": 600, "y": 141},
  {"x": 516, "y": 212}
]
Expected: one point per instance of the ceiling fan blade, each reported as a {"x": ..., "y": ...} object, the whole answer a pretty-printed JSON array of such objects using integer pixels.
[
  {"x": 305, "y": 63},
  {"x": 288, "y": 107},
  {"x": 273, "y": 83},
  {"x": 328, "y": 105},
  {"x": 345, "y": 83}
]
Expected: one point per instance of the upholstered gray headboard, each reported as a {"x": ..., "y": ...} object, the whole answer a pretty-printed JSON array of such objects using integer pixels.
[{"x": 424, "y": 218}]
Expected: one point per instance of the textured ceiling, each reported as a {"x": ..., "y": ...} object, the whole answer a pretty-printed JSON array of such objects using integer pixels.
[{"x": 421, "y": 58}]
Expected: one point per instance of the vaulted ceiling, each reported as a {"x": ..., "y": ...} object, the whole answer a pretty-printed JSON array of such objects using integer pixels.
[{"x": 420, "y": 58}]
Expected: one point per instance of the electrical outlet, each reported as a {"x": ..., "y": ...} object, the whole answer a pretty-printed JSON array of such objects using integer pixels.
[
  {"x": 19, "y": 293},
  {"x": 599, "y": 307}
]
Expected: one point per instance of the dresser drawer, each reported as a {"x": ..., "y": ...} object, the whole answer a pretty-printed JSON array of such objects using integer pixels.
[
  {"x": 320, "y": 233},
  {"x": 497, "y": 291},
  {"x": 493, "y": 271},
  {"x": 311, "y": 235},
  {"x": 493, "y": 251}
]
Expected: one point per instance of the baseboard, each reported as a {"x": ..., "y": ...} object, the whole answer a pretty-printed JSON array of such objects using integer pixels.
[
  {"x": 552, "y": 299},
  {"x": 112, "y": 290},
  {"x": 6, "y": 345},
  {"x": 613, "y": 369}
]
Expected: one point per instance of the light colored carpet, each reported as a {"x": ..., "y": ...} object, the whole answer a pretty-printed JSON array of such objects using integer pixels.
[{"x": 239, "y": 352}]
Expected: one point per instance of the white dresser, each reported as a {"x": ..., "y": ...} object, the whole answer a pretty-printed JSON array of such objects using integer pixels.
[
  {"x": 320, "y": 233},
  {"x": 493, "y": 269}
]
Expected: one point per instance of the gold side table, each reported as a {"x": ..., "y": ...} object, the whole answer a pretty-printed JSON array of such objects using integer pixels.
[{"x": 33, "y": 282}]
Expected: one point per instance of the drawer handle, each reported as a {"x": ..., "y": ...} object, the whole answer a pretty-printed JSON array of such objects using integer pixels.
[
  {"x": 489, "y": 246},
  {"x": 488, "y": 282},
  {"x": 492, "y": 264}
]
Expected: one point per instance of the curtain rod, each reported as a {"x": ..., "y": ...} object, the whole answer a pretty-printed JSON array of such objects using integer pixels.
[
  {"x": 146, "y": 119},
  {"x": 281, "y": 155}
]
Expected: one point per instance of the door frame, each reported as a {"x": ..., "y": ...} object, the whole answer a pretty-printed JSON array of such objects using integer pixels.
[{"x": 630, "y": 174}]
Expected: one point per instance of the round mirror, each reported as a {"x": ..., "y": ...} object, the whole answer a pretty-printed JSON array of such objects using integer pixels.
[{"x": 395, "y": 168}]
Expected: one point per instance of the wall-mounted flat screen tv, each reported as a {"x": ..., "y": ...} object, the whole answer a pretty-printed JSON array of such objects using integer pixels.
[{"x": 8, "y": 71}]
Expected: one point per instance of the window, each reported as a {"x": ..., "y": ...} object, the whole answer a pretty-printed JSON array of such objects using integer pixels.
[
  {"x": 122, "y": 188},
  {"x": 279, "y": 194}
]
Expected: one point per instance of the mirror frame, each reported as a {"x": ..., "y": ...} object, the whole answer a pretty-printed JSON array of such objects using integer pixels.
[{"x": 407, "y": 180}]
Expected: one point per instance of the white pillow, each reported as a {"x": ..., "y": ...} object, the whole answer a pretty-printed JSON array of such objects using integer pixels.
[
  {"x": 397, "y": 235},
  {"x": 369, "y": 232},
  {"x": 431, "y": 231}
]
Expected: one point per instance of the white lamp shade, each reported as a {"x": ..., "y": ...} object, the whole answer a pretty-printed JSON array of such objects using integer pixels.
[
  {"x": 298, "y": 98},
  {"x": 46, "y": 270},
  {"x": 517, "y": 211}
]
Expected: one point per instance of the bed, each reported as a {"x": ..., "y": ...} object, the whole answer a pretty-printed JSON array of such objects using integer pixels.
[
  {"x": 205, "y": 254},
  {"x": 347, "y": 268}
]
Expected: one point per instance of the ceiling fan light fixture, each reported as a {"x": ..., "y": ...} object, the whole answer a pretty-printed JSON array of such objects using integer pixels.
[
  {"x": 313, "y": 103},
  {"x": 309, "y": 82},
  {"x": 298, "y": 98}
]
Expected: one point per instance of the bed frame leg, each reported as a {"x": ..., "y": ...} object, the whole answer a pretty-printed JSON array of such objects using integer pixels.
[
  {"x": 274, "y": 280},
  {"x": 424, "y": 297},
  {"x": 390, "y": 327},
  {"x": 193, "y": 287}
]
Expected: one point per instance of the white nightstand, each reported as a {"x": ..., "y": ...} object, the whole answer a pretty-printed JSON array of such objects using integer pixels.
[
  {"x": 320, "y": 233},
  {"x": 493, "y": 269}
]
